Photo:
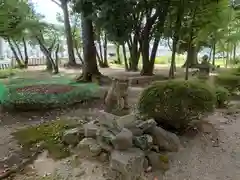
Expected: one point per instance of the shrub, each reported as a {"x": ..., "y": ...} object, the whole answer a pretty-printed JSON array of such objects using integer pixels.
[
  {"x": 236, "y": 60},
  {"x": 228, "y": 80},
  {"x": 46, "y": 96},
  {"x": 5, "y": 73},
  {"x": 175, "y": 103},
  {"x": 222, "y": 97},
  {"x": 235, "y": 71}
]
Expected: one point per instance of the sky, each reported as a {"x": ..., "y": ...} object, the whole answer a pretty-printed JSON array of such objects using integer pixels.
[{"x": 48, "y": 8}]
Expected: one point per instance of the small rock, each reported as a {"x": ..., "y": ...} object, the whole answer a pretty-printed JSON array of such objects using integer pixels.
[
  {"x": 165, "y": 140},
  {"x": 103, "y": 157},
  {"x": 155, "y": 148},
  {"x": 89, "y": 147},
  {"x": 107, "y": 120},
  {"x": 90, "y": 129},
  {"x": 128, "y": 162},
  {"x": 145, "y": 163},
  {"x": 134, "y": 129},
  {"x": 147, "y": 125},
  {"x": 105, "y": 135},
  {"x": 143, "y": 142},
  {"x": 112, "y": 174},
  {"x": 158, "y": 161},
  {"x": 105, "y": 146},
  {"x": 206, "y": 127},
  {"x": 123, "y": 140},
  {"x": 124, "y": 121},
  {"x": 72, "y": 136},
  {"x": 149, "y": 169},
  {"x": 80, "y": 173}
]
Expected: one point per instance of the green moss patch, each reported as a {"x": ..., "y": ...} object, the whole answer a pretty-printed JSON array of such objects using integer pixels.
[{"x": 49, "y": 135}]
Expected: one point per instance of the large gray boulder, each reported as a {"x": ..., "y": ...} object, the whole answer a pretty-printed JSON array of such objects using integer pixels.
[
  {"x": 123, "y": 140},
  {"x": 165, "y": 140},
  {"x": 129, "y": 163}
]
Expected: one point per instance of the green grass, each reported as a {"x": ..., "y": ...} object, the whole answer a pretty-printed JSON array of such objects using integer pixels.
[{"x": 48, "y": 134}]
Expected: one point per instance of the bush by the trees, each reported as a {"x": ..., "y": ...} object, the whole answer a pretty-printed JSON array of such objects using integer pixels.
[
  {"x": 175, "y": 103},
  {"x": 230, "y": 81},
  {"x": 5, "y": 73},
  {"x": 222, "y": 96}
]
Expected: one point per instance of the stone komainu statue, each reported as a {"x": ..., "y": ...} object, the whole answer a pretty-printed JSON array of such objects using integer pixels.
[{"x": 116, "y": 98}]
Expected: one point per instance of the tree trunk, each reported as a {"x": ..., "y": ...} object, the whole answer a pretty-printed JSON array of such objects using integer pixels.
[
  {"x": 192, "y": 50},
  {"x": 105, "y": 62},
  {"x": 134, "y": 52},
  {"x": 15, "y": 53},
  {"x": 227, "y": 60},
  {"x": 25, "y": 53},
  {"x": 49, "y": 67},
  {"x": 79, "y": 55},
  {"x": 144, "y": 43},
  {"x": 234, "y": 52},
  {"x": 55, "y": 67},
  {"x": 125, "y": 57},
  {"x": 160, "y": 16},
  {"x": 174, "y": 49},
  {"x": 100, "y": 47},
  {"x": 147, "y": 70},
  {"x": 47, "y": 52},
  {"x": 18, "y": 49},
  {"x": 89, "y": 52},
  {"x": 68, "y": 33},
  {"x": 192, "y": 53},
  {"x": 99, "y": 59},
  {"x": 214, "y": 53},
  {"x": 176, "y": 38},
  {"x": 118, "y": 54}
]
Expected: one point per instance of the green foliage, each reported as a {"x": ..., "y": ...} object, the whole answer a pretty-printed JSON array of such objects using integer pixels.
[
  {"x": 222, "y": 96},
  {"x": 5, "y": 73},
  {"x": 14, "y": 99},
  {"x": 162, "y": 60},
  {"x": 176, "y": 103},
  {"x": 230, "y": 80},
  {"x": 49, "y": 134}
]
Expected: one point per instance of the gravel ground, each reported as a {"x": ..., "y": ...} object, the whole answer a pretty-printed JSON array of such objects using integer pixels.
[{"x": 201, "y": 161}]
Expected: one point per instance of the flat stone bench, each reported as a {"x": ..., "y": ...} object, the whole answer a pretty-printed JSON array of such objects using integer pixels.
[{"x": 145, "y": 80}]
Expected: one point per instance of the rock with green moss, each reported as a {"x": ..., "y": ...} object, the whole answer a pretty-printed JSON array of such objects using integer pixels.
[
  {"x": 73, "y": 136},
  {"x": 143, "y": 142},
  {"x": 158, "y": 161},
  {"x": 165, "y": 140},
  {"x": 89, "y": 147}
]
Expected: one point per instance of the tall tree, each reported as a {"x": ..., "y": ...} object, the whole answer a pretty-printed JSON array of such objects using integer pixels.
[
  {"x": 90, "y": 70},
  {"x": 64, "y": 6}
]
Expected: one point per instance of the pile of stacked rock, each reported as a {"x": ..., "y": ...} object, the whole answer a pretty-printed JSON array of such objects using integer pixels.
[{"x": 131, "y": 146}]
